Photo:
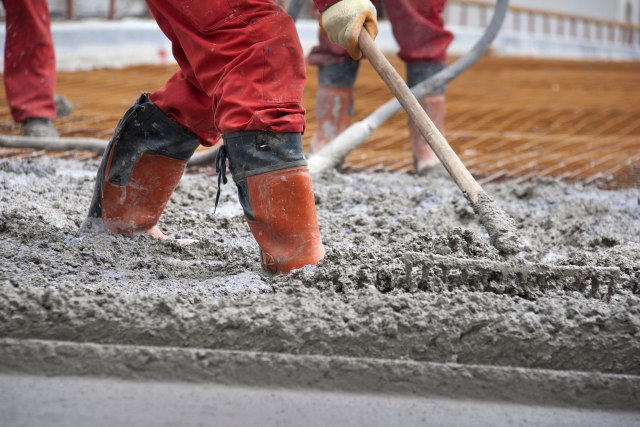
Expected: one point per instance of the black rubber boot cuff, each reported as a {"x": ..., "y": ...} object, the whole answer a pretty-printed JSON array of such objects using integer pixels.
[
  {"x": 256, "y": 152},
  {"x": 417, "y": 72},
  {"x": 340, "y": 74}
]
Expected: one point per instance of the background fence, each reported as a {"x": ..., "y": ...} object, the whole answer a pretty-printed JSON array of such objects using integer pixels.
[{"x": 465, "y": 13}]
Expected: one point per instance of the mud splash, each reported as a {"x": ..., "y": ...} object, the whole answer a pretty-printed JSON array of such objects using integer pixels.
[{"x": 58, "y": 283}]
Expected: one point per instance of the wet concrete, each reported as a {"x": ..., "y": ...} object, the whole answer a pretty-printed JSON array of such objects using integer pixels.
[
  {"x": 58, "y": 283},
  {"x": 65, "y": 401},
  {"x": 502, "y": 232},
  {"x": 398, "y": 377}
]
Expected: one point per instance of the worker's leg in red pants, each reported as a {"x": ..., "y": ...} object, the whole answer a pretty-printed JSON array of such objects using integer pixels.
[
  {"x": 419, "y": 30},
  {"x": 29, "y": 66},
  {"x": 241, "y": 76},
  {"x": 335, "y": 95}
]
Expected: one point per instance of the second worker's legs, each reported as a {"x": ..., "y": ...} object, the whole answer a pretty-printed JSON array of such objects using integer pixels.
[
  {"x": 434, "y": 105},
  {"x": 334, "y": 101},
  {"x": 337, "y": 74},
  {"x": 419, "y": 29}
]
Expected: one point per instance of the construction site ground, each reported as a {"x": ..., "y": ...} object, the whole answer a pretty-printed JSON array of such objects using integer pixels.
[
  {"x": 505, "y": 117},
  {"x": 141, "y": 331}
]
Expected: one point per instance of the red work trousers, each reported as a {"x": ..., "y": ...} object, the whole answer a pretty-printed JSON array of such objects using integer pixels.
[
  {"x": 241, "y": 67},
  {"x": 417, "y": 26},
  {"x": 29, "y": 60}
]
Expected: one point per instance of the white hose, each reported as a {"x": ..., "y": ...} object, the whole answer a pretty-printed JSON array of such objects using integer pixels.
[
  {"x": 53, "y": 144},
  {"x": 333, "y": 154}
]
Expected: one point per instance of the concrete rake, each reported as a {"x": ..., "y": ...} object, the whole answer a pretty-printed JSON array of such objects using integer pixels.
[
  {"x": 430, "y": 272},
  {"x": 510, "y": 276}
]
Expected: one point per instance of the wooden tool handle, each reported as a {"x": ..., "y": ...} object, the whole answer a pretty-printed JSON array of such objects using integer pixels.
[{"x": 423, "y": 123}]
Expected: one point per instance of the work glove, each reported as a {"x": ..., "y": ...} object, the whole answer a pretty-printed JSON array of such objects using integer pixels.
[{"x": 342, "y": 22}]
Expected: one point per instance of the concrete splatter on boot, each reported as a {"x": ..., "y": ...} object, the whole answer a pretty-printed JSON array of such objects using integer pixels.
[
  {"x": 424, "y": 159},
  {"x": 39, "y": 127},
  {"x": 141, "y": 167},
  {"x": 275, "y": 191},
  {"x": 334, "y": 101}
]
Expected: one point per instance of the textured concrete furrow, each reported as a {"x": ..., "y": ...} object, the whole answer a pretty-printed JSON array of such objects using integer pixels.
[
  {"x": 362, "y": 375},
  {"x": 557, "y": 333}
]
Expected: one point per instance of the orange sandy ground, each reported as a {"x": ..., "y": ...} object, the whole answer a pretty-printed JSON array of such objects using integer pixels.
[{"x": 506, "y": 117}]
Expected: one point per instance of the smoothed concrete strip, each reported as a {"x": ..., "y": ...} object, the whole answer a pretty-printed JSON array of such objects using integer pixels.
[
  {"x": 71, "y": 401},
  {"x": 331, "y": 373}
]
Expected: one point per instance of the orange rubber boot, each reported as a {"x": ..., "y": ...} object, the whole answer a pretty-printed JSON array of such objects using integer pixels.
[
  {"x": 417, "y": 72},
  {"x": 283, "y": 220},
  {"x": 141, "y": 167},
  {"x": 275, "y": 191},
  {"x": 423, "y": 156},
  {"x": 334, "y": 101},
  {"x": 334, "y": 110}
]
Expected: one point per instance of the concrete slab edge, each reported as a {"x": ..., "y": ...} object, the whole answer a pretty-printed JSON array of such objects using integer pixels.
[{"x": 364, "y": 375}]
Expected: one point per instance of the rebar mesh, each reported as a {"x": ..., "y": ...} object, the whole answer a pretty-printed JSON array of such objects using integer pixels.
[{"x": 506, "y": 118}]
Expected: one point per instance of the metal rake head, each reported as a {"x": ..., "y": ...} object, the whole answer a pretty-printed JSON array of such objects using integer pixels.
[{"x": 430, "y": 272}]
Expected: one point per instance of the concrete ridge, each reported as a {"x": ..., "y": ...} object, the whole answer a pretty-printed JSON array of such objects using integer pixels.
[{"x": 401, "y": 377}]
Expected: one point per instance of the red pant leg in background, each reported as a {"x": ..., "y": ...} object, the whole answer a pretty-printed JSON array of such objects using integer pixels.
[
  {"x": 241, "y": 67},
  {"x": 417, "y": 26},
  {"x": 419, "y": 29},
  {"x": 29, "y": 60}
]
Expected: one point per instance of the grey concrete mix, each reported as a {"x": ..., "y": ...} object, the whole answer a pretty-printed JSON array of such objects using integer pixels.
[
  {"x": 57, "y": 283},
  {"x": 67, "y": 401}
]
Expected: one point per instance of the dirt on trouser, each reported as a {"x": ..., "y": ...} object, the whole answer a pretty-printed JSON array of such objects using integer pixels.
[{"x": 57, "y": 282}]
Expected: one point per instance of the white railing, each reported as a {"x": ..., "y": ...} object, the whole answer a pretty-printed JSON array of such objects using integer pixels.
[
  {"x": 476, "y": 13},
  {"x": 465, "y": 13}
]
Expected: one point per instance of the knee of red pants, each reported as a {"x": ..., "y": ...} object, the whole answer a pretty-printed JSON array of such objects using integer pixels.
[
  {"x": 250, "y": 66},
  {"x": 418, "y": 27},
  {"x": 261, "y": 89},
  {"x": 327, "y": 53}
]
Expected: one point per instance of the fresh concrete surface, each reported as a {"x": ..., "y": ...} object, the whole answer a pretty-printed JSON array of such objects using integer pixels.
[
  {"x": 133, "y": 309},
  {"x": 69, "y": 401},
  {"x": 60, "y": 283},
  {"x": 510, "y": 385}
]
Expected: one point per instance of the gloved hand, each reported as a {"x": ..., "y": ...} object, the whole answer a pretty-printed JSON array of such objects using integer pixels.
[{"x": 342, "y": 22}]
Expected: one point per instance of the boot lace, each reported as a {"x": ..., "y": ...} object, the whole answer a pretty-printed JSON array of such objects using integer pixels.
[{"x": 221, "y": 170}]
